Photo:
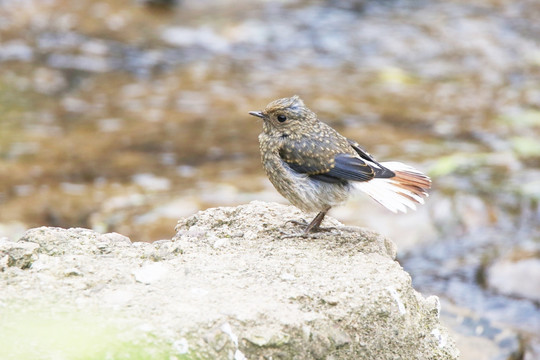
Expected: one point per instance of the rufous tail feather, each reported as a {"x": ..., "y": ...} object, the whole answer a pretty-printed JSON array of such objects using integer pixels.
[{"x": 403, "y": 191}]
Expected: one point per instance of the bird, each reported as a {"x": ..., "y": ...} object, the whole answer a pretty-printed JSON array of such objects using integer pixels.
[{"x": 316, "y": 168}]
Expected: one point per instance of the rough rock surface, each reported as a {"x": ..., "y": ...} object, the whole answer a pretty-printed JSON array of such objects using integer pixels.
[{"x": 230, "y": 286}]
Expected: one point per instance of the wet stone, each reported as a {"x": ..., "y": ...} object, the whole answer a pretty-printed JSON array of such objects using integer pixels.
[
  {"x": 507, "y": 277},
  {"x": 477, "y": 337}
]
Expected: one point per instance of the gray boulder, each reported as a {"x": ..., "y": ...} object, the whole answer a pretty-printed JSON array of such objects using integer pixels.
[{"x": 228, "y": 286}]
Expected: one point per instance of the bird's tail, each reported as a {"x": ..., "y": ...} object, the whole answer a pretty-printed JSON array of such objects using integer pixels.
[{"x": 406, "y": 189}]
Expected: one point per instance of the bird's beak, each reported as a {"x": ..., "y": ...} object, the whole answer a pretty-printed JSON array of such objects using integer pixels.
[{"x": 257, "y": 114}]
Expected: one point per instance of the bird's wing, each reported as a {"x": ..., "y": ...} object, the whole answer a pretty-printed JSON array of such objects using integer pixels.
[
  {"x": 348, "y": 167},
  {"x": 380, "y": 171},
  {"x": 327, "y": 163},
  {"x": 360, "y": 151}
]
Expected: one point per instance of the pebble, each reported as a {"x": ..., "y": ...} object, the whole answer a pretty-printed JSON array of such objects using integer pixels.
[
  {"x": 476, "y": 337},
  {"x": 151, "y": 182},
  {"x": 4, "y": 263},
  {"x": 181, "y": 346},
  {"x": 532, "y": 352},
  {"x": 16, "y": 50},
  {"x": 116, "y": 238},
  {"x": 150, "y": 273},
  {"x": 286, "y": 276},
  {"x": 73, "y": 272},
  {"x": 19, "y": 254},
  {"x": 331, "y": 300},
  {"x": 220, "y": 242},
  {"x": 516, "y": 278},
  {"x": 203, "y": 37}
]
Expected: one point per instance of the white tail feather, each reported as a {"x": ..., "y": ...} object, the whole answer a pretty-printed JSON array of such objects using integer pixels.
[{"x": 401, "y": 192}]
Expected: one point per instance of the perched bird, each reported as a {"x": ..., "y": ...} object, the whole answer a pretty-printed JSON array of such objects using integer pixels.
[{"x": 316, "y": 168}]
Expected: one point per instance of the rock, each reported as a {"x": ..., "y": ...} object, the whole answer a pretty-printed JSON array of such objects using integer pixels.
[
  {"x": 353, "y": 5},
  {"x": 150, "y": 273},
  {"x": 159, "y": 3},
  {"x": 532, "y": 351},
  {"x": 17, "y": 254},
  {"x": 215, "y": 292},
  {"x": 114, "y": 238},
  {"x": 478, "y": 338},
  {"x": 507, "y": 277},
  {"x": 75, "y": 241}
]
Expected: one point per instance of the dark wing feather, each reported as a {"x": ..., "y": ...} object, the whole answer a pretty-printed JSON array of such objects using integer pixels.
[
  {"x": 345, "y": 168},
  {"x": 348, "y": 167},
  {"x": 363, "y": 153},
  {"x": 380, "y": 171},
  {"x": 321, "y": 177}
]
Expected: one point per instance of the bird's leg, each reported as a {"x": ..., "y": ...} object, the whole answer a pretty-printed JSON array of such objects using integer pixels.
[
  {"x": 310, "y": 228},
  {"x": 314, "y": 225}
]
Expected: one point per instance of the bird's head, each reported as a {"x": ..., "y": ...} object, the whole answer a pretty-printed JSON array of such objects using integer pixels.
[{"x": 287, "y": 116}]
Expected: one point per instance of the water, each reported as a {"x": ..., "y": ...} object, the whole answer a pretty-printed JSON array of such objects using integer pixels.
[
  {"x": 455, "y": 269},
  {"x": 117, "y": 116}
]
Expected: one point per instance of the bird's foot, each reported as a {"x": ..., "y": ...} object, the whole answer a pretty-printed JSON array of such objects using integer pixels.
[
  {"x": 302, "y": 222},
  {"x": 287, "y": 235},
  {"x": 307, "y": 235},
  {"x": 309, "y": 232}
]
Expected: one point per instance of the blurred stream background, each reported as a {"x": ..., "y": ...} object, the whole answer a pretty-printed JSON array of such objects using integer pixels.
[{"x": 126, "y": 116}]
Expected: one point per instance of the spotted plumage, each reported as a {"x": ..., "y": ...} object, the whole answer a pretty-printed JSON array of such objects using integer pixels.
[{"x": 316, "y": 168}]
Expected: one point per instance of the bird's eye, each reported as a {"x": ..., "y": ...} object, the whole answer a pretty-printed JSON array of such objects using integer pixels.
[{"x": 281, "y": 118}]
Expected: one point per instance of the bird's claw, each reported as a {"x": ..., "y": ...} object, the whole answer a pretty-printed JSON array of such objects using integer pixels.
[
  {"x": 302, "y": 222},
  {"x": 307, "y": 233},
  {"x": 286, "y": 235}
]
